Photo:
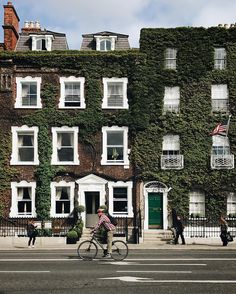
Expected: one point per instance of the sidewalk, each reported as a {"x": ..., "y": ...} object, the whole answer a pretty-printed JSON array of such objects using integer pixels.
[{"x": 59, "y": 243}]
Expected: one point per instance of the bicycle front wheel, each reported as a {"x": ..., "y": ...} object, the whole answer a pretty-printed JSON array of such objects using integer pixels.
[
  {"x": 87, "y": 250},
  {"x": 119, "y": 250}
]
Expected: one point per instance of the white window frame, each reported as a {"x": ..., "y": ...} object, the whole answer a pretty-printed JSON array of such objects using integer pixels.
[
  {"x": 231, "y": 204},
  {"x": 53, "y": 186},
  {"x": 171, "y": 99},
  {"x": 48, "y": 42},
  {"x": 14, "y": 157},
  {"x": 106, "y": 81},
  {"x": 71, "y": 79},
  {"x": 171, "y": 58},
  {"x": 220, "y": 98},
  {"x": 197, "y": 201},
  {"x": 220, "y": 58},
  {"x": 64, "y": 129},
  {"x": 120, "y": 184},
  {"x": 125, "y": 161},
  {"x": 14, "y": 199},
  {"x": 28, "y": 79},
  {"x": 220, "y": 145},
  {"x": 99, "y": 39}
]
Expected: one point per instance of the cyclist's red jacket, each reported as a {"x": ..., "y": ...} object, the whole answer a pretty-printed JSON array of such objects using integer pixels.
[{"x": 105, "y": 222}]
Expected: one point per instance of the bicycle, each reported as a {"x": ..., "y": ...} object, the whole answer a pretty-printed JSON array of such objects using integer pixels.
[{"x": 88, "y": 249}]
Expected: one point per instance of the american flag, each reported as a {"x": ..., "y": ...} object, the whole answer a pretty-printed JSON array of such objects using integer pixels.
[{"x": 220, "y": 129}]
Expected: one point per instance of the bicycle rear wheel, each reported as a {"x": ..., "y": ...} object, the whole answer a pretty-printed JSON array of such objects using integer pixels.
[
  {"x": 119, "y": 250},
  {"x": 87, "y": 250}
]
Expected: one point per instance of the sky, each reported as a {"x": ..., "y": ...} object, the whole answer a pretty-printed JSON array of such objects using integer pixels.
[{"x": 77, "y": 17}]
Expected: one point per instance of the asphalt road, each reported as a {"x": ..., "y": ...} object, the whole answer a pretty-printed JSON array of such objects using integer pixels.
[{"x": 163, "y": 271}]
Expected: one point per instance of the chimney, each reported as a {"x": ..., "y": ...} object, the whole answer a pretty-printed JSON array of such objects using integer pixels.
[{"x": 10, "y": 26}]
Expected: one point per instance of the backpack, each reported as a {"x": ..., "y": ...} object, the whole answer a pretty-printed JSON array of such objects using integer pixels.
[{"x": 112, "y": 219}]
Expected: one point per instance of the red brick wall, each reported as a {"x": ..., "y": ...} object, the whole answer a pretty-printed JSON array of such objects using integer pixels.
[{"x": 11, "y": 26}]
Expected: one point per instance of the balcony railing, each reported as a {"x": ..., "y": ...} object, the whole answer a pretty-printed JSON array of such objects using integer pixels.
[
  {"x": 222, "y": 161},
  {"x": 172, "y": 161}
]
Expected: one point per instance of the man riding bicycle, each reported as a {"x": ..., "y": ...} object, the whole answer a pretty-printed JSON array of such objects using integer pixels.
[{"x": 105, "y": 222}]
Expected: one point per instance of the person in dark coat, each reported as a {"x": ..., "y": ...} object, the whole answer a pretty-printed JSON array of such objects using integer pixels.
[
  {"x": 223, "y": 231},
  {"x": 179, "y": 230},
  {"x": 32, "y": 233}
]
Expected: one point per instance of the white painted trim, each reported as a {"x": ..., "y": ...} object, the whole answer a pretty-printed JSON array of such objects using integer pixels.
[
  {"x": 64, "y": 129},
  {"x": 164, "y": 192},
  {"x": 28, "y": 79},
  {"x": 14, "y": 202},
  {"x": 71, "y": 79},
  {"x": 105, "y": 93},
  {"x": 126, "y": 151},
  {"x": 53, "y": 187},
  {"x": 103, "y": 38},
  {"x": 14, "y": 156},
  {"x": 129, "y": 186},
  {"x": 91, "y": 183},
  {"x": 48, "y": 41}
]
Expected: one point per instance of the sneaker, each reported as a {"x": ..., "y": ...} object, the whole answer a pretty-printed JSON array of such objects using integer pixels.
[
  {"x": 32, "y": 246},
  {"x": 108, "y": 255}
]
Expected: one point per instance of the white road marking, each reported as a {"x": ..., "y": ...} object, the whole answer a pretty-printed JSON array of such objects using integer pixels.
[
  {"x": 135, "y": 263},
  {"x": 179, "y": 259},
  {"x": 39, "y": 259},
  {"x": 163, "y": 272},
  {"x": 20, "y": 272},
  {"x": 149, "y": 280}
]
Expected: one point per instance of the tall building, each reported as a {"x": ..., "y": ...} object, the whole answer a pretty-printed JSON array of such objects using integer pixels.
[{"x": 145, "y": 132}]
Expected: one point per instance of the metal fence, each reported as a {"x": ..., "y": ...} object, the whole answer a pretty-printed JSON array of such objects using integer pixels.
[
  {"x": 56, "y": 227},
  {"x": 205, "y": 228},
  {"x": 18, "y": 226}
]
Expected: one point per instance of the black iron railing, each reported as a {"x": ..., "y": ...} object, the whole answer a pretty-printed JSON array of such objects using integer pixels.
[
  {"x": 18, "y": 226},
  {"x": 204, "y": 228}
]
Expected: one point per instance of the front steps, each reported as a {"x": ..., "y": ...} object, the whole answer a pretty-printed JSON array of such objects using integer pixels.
[{"x": 157, "y": 237}]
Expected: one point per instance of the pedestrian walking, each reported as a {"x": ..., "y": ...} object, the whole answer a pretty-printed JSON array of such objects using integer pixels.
[
  {"x": 223, "y": 231},
  {"x": 179, "y": 230},
  {"x": 32, "y": 233}
]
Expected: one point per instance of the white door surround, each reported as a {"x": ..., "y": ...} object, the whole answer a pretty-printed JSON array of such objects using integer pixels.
[
  {"x": 156, "y": 187},
  {"x": 91, "y": 183}
]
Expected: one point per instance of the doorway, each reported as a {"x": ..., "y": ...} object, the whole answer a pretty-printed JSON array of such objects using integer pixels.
[
  {"x": 155, "y": 210},
  {"x": 92, "y": 200}
]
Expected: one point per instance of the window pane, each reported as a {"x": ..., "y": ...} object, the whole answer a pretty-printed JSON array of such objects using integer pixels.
[
  {"x": 115, "y": 94},
  {"x": 114, "y": 138},
  {"x": 120, "y": 193},
  {"x": 62, "y": 206},
  {"x": 115, "y": 153},
  {"x": 120, "y": 206},
  {"x": 24, "y": 207},
  {"x": 66, "y": 154},
  {"x": 29, "y": 94}
]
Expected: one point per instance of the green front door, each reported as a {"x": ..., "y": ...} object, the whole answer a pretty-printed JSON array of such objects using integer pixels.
[{"x": 155, "y": 212}]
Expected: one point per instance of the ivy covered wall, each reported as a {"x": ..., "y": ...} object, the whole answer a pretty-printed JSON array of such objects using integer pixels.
[
  {"x": 194, "y": 75},
  {"x": 50, "y": 66},
  {"x": 147, "y": 79}
]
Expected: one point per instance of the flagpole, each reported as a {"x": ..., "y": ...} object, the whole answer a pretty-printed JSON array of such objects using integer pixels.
[{"x": 227, "y": 129}]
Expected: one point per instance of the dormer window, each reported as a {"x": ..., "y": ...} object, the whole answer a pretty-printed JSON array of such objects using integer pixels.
[
  {"x": 42, "y": 42},
  {"x": 105, "y": 43}
]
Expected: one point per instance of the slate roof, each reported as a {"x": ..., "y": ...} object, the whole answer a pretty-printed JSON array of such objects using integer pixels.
[
  {"x": 59, "y": 41},
  {"x": 89, "y": 41}
]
